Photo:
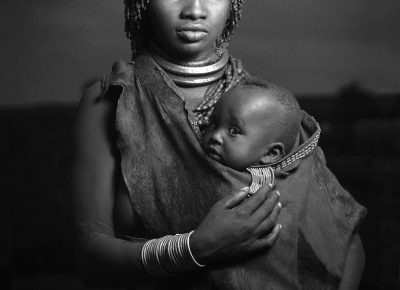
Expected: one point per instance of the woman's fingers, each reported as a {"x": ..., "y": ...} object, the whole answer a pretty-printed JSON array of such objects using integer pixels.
[
  {"x": 236, "y": 198},
  {"x": 256, "y": 200},
  {"x": 266, "y": 210},
  {"x": 269, "y": 240},
  {"x": 238, "y": 224},
  {"x": 268, "y": 222}
]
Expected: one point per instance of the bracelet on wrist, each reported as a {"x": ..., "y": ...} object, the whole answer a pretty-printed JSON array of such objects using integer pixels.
[{"x": 168, "y": 255}]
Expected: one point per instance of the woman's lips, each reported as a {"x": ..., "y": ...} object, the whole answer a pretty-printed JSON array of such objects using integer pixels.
[{"x": 192, "y": 33}]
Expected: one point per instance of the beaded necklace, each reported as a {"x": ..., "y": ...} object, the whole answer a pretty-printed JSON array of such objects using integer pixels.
[{"x": 221, "y": 74}]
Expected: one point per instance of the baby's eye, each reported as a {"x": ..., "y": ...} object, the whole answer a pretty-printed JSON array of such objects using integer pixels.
[{"x": 233, "y": 131}]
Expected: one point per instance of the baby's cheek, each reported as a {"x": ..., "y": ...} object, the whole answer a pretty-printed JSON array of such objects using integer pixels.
[{"x": 237, "y": 159}]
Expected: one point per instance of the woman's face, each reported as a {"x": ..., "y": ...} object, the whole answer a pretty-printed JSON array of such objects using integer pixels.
[{"x": 186, "y": 30}]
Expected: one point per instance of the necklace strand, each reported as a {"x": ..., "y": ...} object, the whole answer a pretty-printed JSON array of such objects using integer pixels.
[
  {"x": 232, "y": 76},
  {"x": 222, "y": 75}
]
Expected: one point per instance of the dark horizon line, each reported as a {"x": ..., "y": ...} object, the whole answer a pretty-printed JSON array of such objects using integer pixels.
[{"x": 305, "y": 96}]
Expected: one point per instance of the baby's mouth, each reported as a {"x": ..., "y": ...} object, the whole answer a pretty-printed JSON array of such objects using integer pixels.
[{"x": 213, "y": 154}]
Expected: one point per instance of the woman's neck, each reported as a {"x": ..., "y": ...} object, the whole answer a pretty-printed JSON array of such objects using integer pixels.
[
  {"x": 211, "y": 57},
  {"x": 194, "y": 95},
  {"x": 195, "y": 77}
]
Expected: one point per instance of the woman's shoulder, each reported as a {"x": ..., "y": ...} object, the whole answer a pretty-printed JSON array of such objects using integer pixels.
[
  {"x": 96, "y": 90},
  {"x": 121, "y": 66},
  {"x": 98, "y": 103},
  {"x": 94, "y": 125},
  {"x": 91, "y": 101},
  {"x": 121, "y": 73},
  {"x": 92, "y": 92},
  {"x": 92, "y": 108}
]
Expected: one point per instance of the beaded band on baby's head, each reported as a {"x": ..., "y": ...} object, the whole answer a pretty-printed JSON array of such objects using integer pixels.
[{"x": 135, "y": 11}]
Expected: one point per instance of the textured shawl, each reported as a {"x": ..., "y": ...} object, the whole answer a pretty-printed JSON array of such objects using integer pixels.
[{"x": 172, "y": 185}]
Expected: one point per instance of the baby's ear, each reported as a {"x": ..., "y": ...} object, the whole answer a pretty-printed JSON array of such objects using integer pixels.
[{"x": 275, "y": 151}]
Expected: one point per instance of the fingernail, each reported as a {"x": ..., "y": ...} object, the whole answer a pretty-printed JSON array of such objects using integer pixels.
[
  {"x": 278, "y": 193},
  {"x": 279, "y": 204},
  {"x": 245, "y": 188},
  {"x": 270, "y": 185}
]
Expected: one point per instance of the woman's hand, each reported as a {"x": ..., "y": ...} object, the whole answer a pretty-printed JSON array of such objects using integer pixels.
[{"x": 237, "y": 225}]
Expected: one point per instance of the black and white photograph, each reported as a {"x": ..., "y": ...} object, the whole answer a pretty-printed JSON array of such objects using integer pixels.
[{"x": 200, "y": 144}]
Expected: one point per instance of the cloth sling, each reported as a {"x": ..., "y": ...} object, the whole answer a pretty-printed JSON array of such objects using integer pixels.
[{"x": 172, "y": 185}]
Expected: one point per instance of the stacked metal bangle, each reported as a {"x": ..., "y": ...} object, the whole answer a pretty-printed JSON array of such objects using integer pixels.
[{"x": 168, "y": 255}]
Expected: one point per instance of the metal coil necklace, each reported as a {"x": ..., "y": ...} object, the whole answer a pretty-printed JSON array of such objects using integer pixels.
[
  {"x": 195, "y": 74},
  {"x": 221, "y": 72}
]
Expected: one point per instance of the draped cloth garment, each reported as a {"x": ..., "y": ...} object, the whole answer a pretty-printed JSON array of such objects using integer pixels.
[{"x": 172, "y": 185}]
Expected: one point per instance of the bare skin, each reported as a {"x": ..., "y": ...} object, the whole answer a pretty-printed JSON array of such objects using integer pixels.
[
  {"x": 355, "y": 262},
  {"x": 246, "y": 128},
  {"x": 185, "y": 31}
]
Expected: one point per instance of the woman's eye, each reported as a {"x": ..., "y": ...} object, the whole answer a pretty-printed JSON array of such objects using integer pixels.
[{"x": 233, "y": 131}]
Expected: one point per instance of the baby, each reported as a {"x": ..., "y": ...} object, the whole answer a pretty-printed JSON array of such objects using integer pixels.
[
  {"x": 254, "y": 126},
  {"x": 260, "y": 128}
]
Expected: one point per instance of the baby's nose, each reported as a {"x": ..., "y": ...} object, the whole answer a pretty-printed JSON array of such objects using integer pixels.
[{"x": 215, "y": 137}]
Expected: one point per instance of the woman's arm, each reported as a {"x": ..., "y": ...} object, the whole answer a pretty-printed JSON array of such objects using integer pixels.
[
  {"x": 103, "y": 259},
  {"x": 354, "y": 266}
]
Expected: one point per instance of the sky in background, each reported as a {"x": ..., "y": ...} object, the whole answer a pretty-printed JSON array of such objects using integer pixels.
[{"x": 50, "y": 49}]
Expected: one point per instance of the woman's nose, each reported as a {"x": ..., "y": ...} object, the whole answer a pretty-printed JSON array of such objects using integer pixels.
[{"x": 194, "y": 9}]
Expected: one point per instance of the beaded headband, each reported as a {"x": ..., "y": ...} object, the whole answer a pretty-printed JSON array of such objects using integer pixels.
[
  {"x": 303, "y": 152},
  {"x": 261, "y": 175}
]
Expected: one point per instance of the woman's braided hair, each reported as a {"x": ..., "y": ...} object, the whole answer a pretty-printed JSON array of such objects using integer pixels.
[{"x": 135, "y": 11}]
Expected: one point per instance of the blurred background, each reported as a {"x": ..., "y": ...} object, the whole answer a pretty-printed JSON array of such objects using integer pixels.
[{"x": 341, "y": 58}]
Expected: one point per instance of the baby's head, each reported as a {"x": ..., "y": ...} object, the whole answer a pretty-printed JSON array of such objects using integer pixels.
[{"x": 255, "y": 123}]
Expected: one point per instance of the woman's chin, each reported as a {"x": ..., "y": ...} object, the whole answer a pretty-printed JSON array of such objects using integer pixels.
[{"x": 192, "y": 52}]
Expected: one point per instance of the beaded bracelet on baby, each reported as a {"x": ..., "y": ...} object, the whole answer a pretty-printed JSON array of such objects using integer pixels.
[{"x": 168, "y": 255}]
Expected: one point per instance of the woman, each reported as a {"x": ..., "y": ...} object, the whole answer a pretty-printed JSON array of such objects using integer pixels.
[{"x": 140, "y": 171}]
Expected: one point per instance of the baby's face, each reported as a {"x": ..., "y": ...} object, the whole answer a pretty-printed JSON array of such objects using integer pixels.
[{"x": 240, "y": 128}]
